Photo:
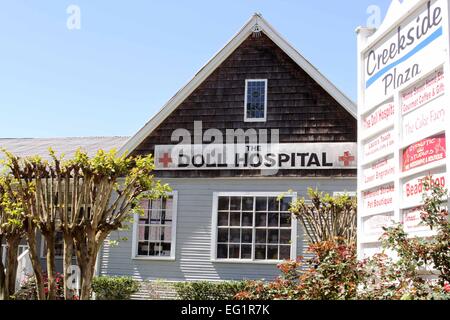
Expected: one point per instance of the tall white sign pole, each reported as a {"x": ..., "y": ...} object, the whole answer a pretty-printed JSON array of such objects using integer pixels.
[{"x": 403, "y": 116}]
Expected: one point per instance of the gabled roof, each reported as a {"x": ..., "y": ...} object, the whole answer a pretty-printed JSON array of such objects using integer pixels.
[
  {"x": 256, "y": 23},
  {"x": 66, "y": 146}
]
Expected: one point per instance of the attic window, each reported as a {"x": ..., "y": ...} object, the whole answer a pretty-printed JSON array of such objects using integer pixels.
[{"x": 256, "y": 100}]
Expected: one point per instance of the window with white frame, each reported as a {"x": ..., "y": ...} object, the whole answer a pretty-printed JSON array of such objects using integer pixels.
[
  {"x": 256, "y": 100},
  {"x": 253, "y": 228},
  {"x": 59, "y": 246},
  {"x": 155, "y": 230}
]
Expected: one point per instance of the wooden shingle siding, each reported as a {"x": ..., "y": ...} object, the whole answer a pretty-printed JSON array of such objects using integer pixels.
[{"x": 297, "y": 106}]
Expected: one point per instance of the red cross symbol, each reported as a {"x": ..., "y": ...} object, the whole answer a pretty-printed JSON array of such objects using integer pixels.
[
  {"x": 166, "y": 160},
  {"x": 347, "y": 158}
]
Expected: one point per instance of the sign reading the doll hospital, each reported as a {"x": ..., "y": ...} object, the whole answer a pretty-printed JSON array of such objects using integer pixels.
[{"x": 403, "y": 116}]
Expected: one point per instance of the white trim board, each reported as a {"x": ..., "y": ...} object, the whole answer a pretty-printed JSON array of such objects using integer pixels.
[{"x": 218, "y": 59}]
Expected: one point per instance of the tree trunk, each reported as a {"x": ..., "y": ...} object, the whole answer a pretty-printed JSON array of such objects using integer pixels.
[
  {"x": 68, "y": 252},
  {"x": 3, "y": 294},
  {"x": 11, "y": 273},
  {"x": 51, "y": 281},
  {"x": 87, "y": 273},
  {"x": 36, "y": 263}
]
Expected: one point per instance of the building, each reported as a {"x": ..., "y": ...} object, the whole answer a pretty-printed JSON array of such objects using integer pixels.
[
  {"x": 223, "y": 220},
  {"x": 278, "y": 127}
]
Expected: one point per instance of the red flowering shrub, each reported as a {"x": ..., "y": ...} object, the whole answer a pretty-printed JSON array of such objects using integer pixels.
[
  {"x": 334, "y": 272},
  {"x": 431, "y": 252},
  {"x": 330, "y": 274},
  {"x": 28, "y": 289}
]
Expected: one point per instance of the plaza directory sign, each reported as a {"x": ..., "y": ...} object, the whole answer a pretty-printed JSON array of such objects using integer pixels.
[{"x": 403, "y": 116}]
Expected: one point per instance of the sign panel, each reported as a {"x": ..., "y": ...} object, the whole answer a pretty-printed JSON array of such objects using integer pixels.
[
  {"x": 412, "y": 220},
  {"x": 379, "y": 172},
  {"x": 373, "y": 225},
  {"x": 423, "y": 92},
  {"x": 379, "y": 146},
  {"x": 417, "y": 124},
  {"x": 410, "y": 50},
  {"x": 403, "y": 115},
  {"x": 377, "y": 120},
  {"x": 306, "y": 156},
  {"x": 424, "y": 152},
  {"x": 378, "y": 200},
  {"x": 414, "y": 189}
]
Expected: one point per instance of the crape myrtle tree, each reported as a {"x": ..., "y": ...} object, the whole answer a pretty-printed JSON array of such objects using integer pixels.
[
  {"x": 85, "y": 198},
  {"x": 11, "y": 233},
  {"x": 326, "y": 218}
]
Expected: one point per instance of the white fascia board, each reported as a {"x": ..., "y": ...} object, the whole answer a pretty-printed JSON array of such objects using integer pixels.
[
  {"x": 312, "y": 71},
  {"x": 218, "y": 59}
]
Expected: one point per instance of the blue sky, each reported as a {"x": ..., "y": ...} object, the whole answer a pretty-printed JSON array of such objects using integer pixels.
[{"x": 130, "y": 57}]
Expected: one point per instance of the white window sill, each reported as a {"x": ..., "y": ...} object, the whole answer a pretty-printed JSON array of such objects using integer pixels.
[
  {"x": 228, "y": 261},
  {"x": 255, "y": 120},
  {"x": 154, "y": 259}
]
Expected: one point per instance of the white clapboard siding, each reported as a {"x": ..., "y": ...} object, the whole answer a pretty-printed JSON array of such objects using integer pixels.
[{"x": 193, "y": 245}]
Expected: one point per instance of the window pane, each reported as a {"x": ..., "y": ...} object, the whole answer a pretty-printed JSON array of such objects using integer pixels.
[
  {"x": 256, "y": 97},
  {"x": 224, "y": 203},
  {"x": 145, "y": 204},
  {"x": 246, "y": 252},
  {"x": 222, "y": 235},
  {"x": 166, "y": 234},
  {"x": 168, "y": 203},
  {"x": 272, "y": 253},
  {"x": 285, "y": 220},
  {"x": 235, "y": 203},
  {"x": 223, "y": 219},
  {"x": 222, "y": 251},
  {"x": 143, "y": 248},
  {"x": 234, "y": 251},
  {"x": 247, "y": 204},
  {"x": 261, "y": 219},
  {"x": 273, "y": 219},
  {"x": 154, "y": 233},
  {"x": 155, "y": 217},
  {"x": 285, "y": 236},
  {"x": 261, "y": 204},
  {"x": 154, "y": 249},
  {"x": 166, "y": 249},
  {"x": 166, "y": 217},
  {"x": 285, "y": 252},
  {"x": 274, "y": 204},
  {"x": 247, "y": 219},
  {"x": 260, "y": 252},
  {"x": 273, "y": 236},
  {"x": 285, "y": 203},
  {"x": 143, "y": 233},
  {"x": 247, "y": 236},
  {"x": 235, "y": 219},
  {"x": 156, "y": 204},
  {"x": 235, "y": 235},
  {"x": 59, "y": 244},
  {"x": 143, "y": 219},
  {"x": 261, "y": 236}
]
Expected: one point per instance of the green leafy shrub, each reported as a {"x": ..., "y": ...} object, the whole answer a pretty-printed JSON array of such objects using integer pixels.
[
  {"x": 204, "y": 290},
  {"x": 114, "y": 288}
]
